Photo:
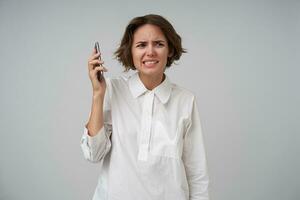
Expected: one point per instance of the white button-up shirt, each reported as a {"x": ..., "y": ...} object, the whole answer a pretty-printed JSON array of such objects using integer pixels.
[{"x": 151, "y": 145}]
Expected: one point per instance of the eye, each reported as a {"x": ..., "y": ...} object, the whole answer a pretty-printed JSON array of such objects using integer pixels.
[
  {"x": 141, "y": 45},
  {"x": 159, "y": 44}
]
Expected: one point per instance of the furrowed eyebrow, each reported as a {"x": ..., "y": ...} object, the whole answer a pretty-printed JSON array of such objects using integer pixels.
[
  {"x": 140, "y": 42},
  {"x": 156, "y": 41}
]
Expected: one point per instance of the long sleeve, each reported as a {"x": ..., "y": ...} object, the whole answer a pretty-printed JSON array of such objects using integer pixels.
[
  {"x": 194, "y": 158},
  {"x": 96, "y": 147}
]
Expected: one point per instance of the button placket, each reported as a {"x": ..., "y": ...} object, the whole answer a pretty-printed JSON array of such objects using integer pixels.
[{"x": 146, "y": 122}]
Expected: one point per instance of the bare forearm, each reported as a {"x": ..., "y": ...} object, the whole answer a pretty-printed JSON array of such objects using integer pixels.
[{"x": 95, "y": 122}]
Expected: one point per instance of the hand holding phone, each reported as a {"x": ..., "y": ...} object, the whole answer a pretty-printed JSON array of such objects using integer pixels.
[{"x": 100, "y": 73}]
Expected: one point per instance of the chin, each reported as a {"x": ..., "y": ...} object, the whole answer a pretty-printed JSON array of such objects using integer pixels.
[{"x": 150, "y": 71}]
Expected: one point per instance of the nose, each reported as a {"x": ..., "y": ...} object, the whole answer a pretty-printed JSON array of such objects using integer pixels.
[{"x": 150, "y": 50}]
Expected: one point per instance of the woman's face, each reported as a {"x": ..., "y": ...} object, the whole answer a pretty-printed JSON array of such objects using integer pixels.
[{"x": 149, "y": 50}]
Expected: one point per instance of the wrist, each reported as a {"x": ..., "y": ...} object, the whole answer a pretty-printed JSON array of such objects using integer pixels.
[{"x": 97, "y": 95}]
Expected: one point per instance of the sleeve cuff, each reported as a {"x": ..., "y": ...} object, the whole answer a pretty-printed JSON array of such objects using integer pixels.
[{"x": 96, "y": 140}]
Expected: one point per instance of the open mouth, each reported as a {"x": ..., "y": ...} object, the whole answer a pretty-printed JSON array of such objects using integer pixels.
[{"x": 150, "y": 63}]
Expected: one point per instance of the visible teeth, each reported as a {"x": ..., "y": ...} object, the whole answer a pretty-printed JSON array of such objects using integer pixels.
[{"x": 150, "y": 62}]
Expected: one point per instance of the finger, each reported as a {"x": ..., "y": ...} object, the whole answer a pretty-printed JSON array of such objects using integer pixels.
[
  {"x": 93, "y": 53},
  {"x": 92, "y": 64},
  {"x": 95, "y": 63},
  {"x": 100, "y": 68},
  {"x": 104, "y": 69},
  {"x": 94, "y": 56},
  {"x": 97, "y": 70}
]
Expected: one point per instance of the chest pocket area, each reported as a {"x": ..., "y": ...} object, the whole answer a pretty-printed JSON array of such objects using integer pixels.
[{"x": 166, "y": 138}]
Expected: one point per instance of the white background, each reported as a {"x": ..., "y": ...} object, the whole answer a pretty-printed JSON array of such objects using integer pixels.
[{"x": 242, "y": 64}]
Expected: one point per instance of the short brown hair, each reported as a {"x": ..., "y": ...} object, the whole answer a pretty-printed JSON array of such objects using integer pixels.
[{"x": 123, "y": 53}]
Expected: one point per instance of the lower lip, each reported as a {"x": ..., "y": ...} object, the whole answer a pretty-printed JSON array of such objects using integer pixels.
[{"x": 150, "y": 65}]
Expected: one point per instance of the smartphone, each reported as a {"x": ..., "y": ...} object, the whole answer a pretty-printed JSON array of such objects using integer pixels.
[{"x": 100, "y": 73}]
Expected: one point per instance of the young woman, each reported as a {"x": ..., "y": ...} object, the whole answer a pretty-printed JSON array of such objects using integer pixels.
[{"x": 144, "y": 130}]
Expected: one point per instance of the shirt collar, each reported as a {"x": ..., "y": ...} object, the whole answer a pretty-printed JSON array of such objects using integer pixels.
[{"x": 162, "y": 91}]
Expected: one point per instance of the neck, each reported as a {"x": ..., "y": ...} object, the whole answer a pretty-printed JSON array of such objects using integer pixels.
[{"x": 150, "y": 82}]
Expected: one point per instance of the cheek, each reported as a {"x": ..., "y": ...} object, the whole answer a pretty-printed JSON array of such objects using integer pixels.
[
  {"x": 135, "y": 53},
  {"x": 136, "y": 59},
  {"x": 134, "y": 56},
  {"x": 165, "y": 56}
]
